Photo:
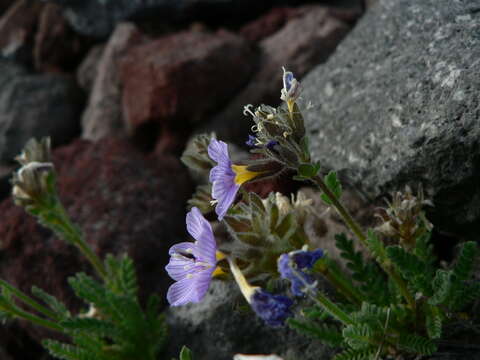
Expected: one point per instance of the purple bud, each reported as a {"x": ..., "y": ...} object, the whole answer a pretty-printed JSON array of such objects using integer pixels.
[{"x": 273, "y": 309}]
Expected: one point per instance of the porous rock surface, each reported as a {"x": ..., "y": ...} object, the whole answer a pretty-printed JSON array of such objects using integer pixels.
[
  {"x": 306, "y": 40},
  {"x": 222, "y": 325},
  {"x": 124, "y": 201},
  {"x": 182, "y": 77},
  {"x": 398, "y": 103},
  {"x": 36, "y": 105}
]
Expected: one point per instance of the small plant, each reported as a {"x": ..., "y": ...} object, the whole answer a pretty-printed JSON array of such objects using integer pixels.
[
  {"x": 394, "y": 301},
  {"x": 115, "y": 327}
]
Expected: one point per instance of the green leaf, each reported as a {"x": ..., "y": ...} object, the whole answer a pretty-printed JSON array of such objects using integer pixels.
[
  {"x": 433, "y": 321},
  {"x": 417, "y": 344},
  {"x": 308, "y": 171},
  {"x": 186, "y": 353},
  {"x": 54, "y": 304},
  {"x": 358, "y": 336},
  {"x": 333, "y": 185},
  {"x": 324, "y": 333},
  {"x": 442, "y": 285},
  {"x": 464, "y": 266}
]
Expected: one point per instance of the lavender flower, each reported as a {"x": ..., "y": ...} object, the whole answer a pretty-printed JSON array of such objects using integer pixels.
[
  {"x": 192, "y": 264},
  {"x": 273, "y": 309},
  {"x": 292, "y": 267},
  {"x": 226, "y": 178},
  {"x": 291, "y": 89}
]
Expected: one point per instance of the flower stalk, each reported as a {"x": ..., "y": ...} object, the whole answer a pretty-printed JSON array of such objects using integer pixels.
[{"x": 356, "y": 229}]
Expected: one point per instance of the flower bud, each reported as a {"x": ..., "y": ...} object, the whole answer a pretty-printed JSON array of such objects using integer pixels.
[{"x": 31, "y": 183}]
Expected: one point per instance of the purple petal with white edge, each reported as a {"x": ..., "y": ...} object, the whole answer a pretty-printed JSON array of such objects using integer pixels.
[
  {"x": 218, "y": 151},
  {"x": 201, "y": 230},
  {"x": 179, "y": 268},
  {"x": 182, "y": 292},
  {"x": 186, "y": 247},
  {"x": 225, "y": 193}
]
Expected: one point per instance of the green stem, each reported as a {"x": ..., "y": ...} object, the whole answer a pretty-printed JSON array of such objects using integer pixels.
[
  {"x": 356, "y": 229},
  {"x": 28, "y": 300},
  {"x": 73, "y": 235},
  {"x": 34, "y": 319},
  {"x": 329, "y": 269},
  {"x": 332, "y": 309}
]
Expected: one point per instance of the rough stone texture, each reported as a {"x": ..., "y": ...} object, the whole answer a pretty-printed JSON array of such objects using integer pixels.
[
  {"x": 217, "y": 328},
  {"x": 17, "y": 30},
  {"x": 103, "y": 114},
  {"x": 57, "y": 47},
  {"x": 302, "y": 43},
  {"x": 36, "y": 106},
  {"x": 124, "y": 201},
  {"x": 179, "y": 79},
  {"x": 268, "y": 24},
  {"x": 88, "y": 69},
  {"x": 398, "y": 103},
  {"x": 99, "y": 17}
]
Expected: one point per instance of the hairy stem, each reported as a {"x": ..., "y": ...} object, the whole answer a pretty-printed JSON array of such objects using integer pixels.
[{"x": 356, "y": 229}]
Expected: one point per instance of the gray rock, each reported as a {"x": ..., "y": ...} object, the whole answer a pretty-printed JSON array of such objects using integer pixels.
[
  {"x": 301, "y": 44},
  {"x": 103, "y": 113},
  {"x": 35, "y": 106},
  {"x": 398, "y": 103},
  {"x": 221, "y": 326}
]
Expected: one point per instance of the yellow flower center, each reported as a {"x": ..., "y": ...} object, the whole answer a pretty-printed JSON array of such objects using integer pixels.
[{"x": 242, "y": 174}]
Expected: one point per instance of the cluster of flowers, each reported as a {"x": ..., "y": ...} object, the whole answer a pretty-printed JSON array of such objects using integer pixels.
[{"x": 193, "y": 264}]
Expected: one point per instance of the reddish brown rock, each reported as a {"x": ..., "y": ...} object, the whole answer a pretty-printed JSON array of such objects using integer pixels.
[
  {"x": 57, "y": 47},
  {"x": 268, "y": 24},
  {"x": 17, "y": 29},
  {"x": 179, "y": 79},
  {"x": 103, "y": 115},
  {"x": 124, "y": 201},
  {"x": 305, "y": 41}
]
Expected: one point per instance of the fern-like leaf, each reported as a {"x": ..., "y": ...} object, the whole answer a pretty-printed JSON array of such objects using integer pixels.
[
  {"x": 353, "y": 354},
  {"x": 417, "y": 344},
  {"x": 358, "y": 336},
  {"x": 324, "y": 333}
]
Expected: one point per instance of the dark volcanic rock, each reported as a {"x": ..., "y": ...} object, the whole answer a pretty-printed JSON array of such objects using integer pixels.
[
  {"x": 36, "y": 106},
  {"x": 268, "y": 24},
  {"x": 216, "y": 329},
  {"x": 124, "y": 201},
  {"x": 302, "y": 43},
  {"x": 99, "y": 17},
  {"x": 57, "y": 47},
  {"x": 398, "y": 103},
  {"x": 179, "y": 79},
  {"x": 17, "y": 30}
]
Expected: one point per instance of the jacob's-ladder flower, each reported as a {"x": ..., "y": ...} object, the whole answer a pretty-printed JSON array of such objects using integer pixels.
[
  {"x": 226, "y": 178},
  {"x": 192, "y": 264}
]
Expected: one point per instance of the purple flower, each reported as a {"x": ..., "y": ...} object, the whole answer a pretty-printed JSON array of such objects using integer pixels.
[
  {"x": 251, "y": 142},
  {"x": 273, "y": 309},
  {"x": 192, "y": 264},
  {"x": 291, "y": 89},
  {"x": 292, "y": 267},
  {"x": 226, "y": 178}
]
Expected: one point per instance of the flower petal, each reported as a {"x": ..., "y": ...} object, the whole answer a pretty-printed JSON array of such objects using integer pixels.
[
  {"x": 225, "y": 194},
  {"x": 179, "y": 268},
  {"x": 186, "y": 247},
  {"x": 201, "y": 230},
  {"x": 182, "y": 292},
  {"x": 218, "y": 151}
]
